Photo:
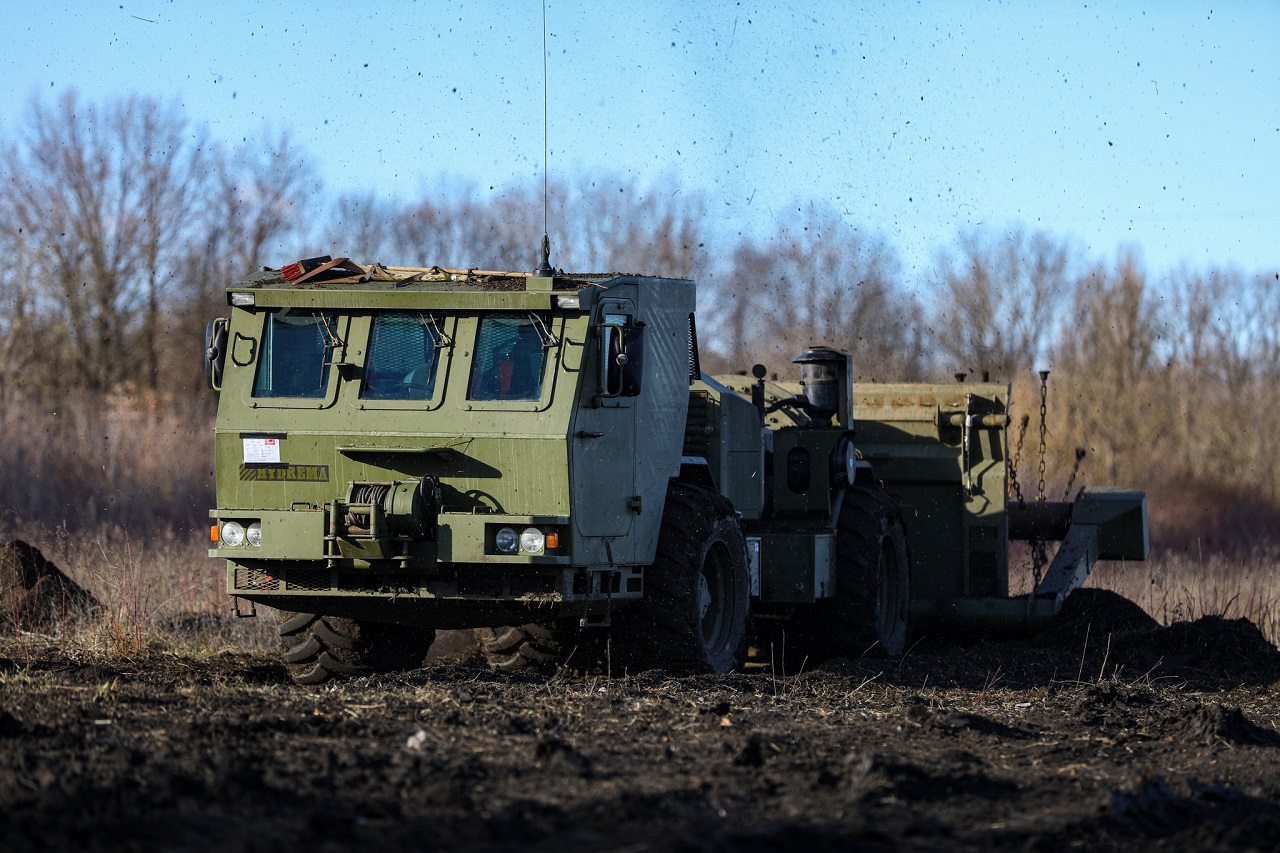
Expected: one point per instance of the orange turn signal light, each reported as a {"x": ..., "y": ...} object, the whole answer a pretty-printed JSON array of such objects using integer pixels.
[
  {"x": 552, "y": 541},
  {"x": 213, "y": 533}
]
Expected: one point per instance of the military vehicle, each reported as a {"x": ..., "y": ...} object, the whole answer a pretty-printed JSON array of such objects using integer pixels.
[{"x": 539, "y": 456}]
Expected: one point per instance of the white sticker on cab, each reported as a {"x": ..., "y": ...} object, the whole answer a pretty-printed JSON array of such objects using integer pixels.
[{"x": 261, "y": 451}]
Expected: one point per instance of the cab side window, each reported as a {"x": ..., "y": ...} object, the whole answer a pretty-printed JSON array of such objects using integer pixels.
[{"x": 510, "y": 358}]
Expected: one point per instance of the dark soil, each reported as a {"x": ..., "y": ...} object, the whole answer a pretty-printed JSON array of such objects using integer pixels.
[
  {"x": 34, "y": 593},
  {"x": 1106, "y": 732}
]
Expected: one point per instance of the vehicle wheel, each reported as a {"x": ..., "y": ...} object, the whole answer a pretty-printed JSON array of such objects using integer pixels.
[
  {"x": 319, "y": 648},
  {"x": 869, "y": 612},
  {"x": 512, "y": 648},
  {"x": 696, "y": 607},
  {"x": 873, "y": 574}
]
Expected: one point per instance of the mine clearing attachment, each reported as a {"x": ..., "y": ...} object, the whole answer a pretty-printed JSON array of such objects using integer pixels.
[
  {"x": 539, "y": 457},
  {"x": 1102, "y": 523}
]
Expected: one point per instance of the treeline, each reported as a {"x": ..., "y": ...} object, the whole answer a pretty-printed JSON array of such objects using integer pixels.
[
  {"x": 118, "y": 223},
  {"x": 122, "y": 222}
]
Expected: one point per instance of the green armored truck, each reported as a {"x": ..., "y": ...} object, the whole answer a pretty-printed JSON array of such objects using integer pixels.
[{"x": 539, "y": 456}]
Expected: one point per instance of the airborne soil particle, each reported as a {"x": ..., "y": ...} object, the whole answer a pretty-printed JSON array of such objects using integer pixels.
[{"x": 1142, "y": 738}]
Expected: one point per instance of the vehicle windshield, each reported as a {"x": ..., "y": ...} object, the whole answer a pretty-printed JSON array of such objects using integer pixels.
[
  {"x": 296, "y": 350},
  {"x": 510, "y": 358},
  {"x": 402, "y": 357}
]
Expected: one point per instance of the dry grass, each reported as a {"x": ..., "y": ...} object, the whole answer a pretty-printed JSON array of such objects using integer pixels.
[
  {"x": 106, "y": 461},
  {"x": 116, "y": 493},
  {"x": 1175, "y": 587},
  {"x": 158, "y": 593}
]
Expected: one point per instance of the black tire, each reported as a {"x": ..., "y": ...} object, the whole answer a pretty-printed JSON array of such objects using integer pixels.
[
  {"x": 561, "y": 646},
  {"x": 513, "y": 648},
  {"x": 319, "y": 648},
  {"x": 695, "y": 613},
  {"x": 869, "y": 613}
]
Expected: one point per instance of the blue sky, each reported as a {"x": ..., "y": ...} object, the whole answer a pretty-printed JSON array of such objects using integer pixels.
[{"x": 1151, "y": 125}]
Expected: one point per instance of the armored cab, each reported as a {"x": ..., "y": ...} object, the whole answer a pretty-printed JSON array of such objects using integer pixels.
[{"x": 390, "y": 444}]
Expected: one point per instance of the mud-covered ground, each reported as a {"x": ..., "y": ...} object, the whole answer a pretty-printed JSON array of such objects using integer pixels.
[{"x": 1106, "y": 732}]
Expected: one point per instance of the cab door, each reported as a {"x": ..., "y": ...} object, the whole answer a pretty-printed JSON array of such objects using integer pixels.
[{"x": 603, "y": 440}]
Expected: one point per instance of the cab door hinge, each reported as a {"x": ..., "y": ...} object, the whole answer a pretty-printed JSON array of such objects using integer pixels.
[{"x": 635, "y": 504}]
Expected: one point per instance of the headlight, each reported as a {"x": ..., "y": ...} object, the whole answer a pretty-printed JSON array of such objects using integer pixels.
[
  {"x": 506, "y": 540},
  {"x": 531, "y": 540},
  {"x": 254, "y": 534},
  {"x": 232, "y": 534},
  {"x": 844, "y": 464}
]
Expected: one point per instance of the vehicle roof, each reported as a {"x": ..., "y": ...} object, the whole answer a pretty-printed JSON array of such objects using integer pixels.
[{"x": 349, "y": 276}]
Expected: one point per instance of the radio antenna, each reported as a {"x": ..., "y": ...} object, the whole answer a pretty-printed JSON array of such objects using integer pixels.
[{"x": 544, "y": 265}]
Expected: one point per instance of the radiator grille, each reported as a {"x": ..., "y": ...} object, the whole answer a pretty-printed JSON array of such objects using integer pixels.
[
  {"x": 481, "y": 584},
  {"x": 309, "y": 580},
  {"x": 365, "y": 582},
  {"x": 254, "y": 579}
]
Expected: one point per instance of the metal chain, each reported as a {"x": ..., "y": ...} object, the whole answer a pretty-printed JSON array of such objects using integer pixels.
[
  {"x": 1039, "y": 554},
  {"x": 1075, "y": 469},
  {"x": 1039, "y": 559},
  {"x": 1044, "y": 396},
  {"x": 1013, "y": 461}
]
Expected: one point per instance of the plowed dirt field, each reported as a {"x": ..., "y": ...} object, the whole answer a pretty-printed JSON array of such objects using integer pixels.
[{"x": 1106, "y": 732}]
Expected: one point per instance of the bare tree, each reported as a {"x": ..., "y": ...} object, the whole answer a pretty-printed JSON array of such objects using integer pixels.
[
  {"x": 362, "y": 226},
  {"x": 71, "y": 193},
  {"x": 262, "y": 193},
  {"x": 613, "y": 223},
  {"x": 1225, "y": 354},
  {"x": 601, "y": 224},
  {"x": 169, "y": 166},
  {"x": 251, "y": 210},
  {"x": 817, "y": 280},
  {"x": 1116, "y": 396},
  {"x": 458, "y": 229},
  {"x": 128, "y": 221},
  {"x": 998, "y": 301},
  {"x": 23, "y": 315}
]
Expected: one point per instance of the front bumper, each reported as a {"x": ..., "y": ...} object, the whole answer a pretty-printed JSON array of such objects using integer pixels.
[{"x": 305, "y": 563}]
